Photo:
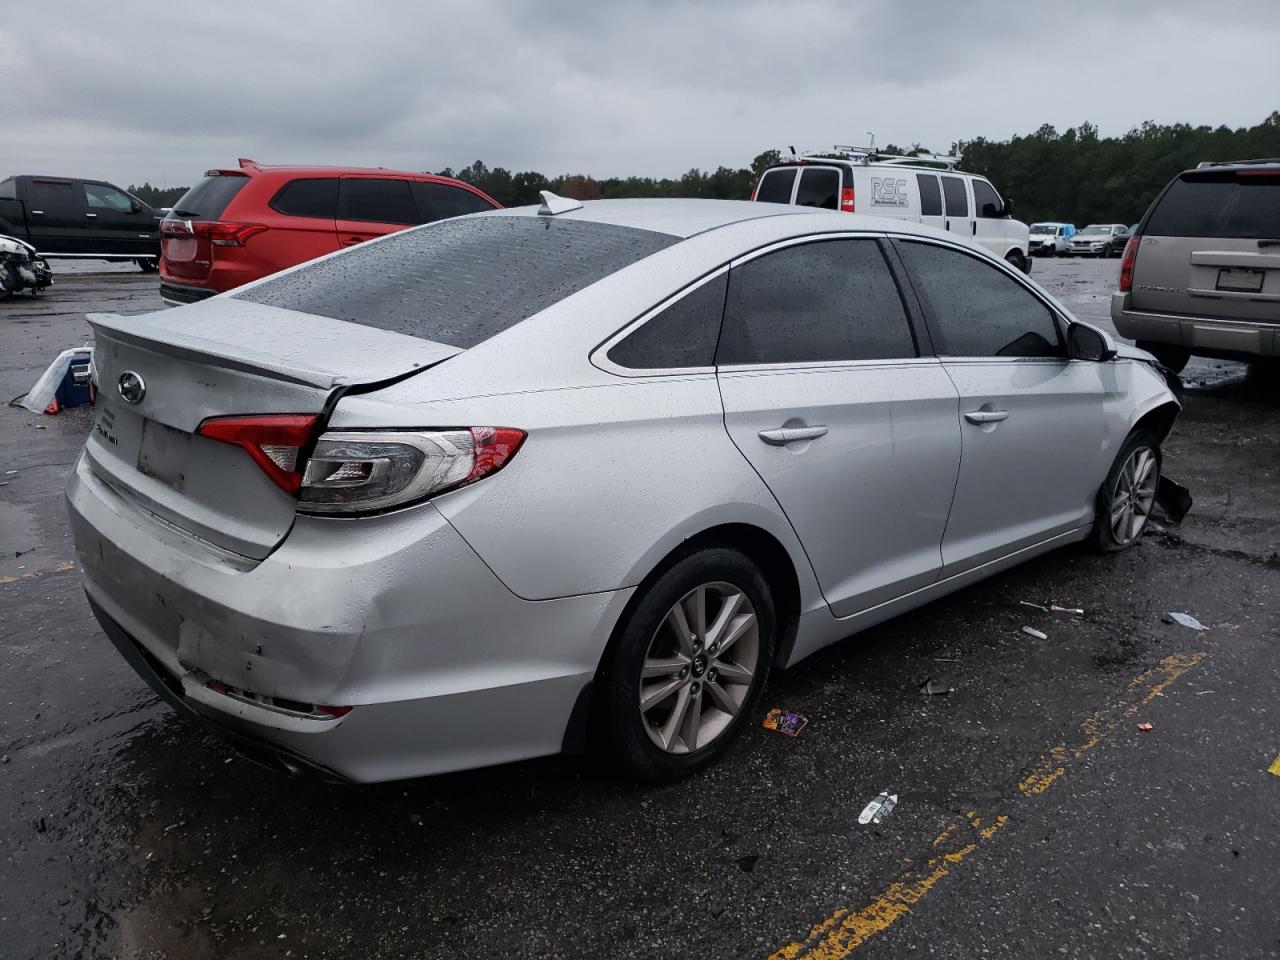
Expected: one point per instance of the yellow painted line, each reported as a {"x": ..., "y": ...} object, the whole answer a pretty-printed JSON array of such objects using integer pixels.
[
  {"x": 845, "y": 930},
  {"x": 60, "y": 568},
  {"x": 1275, "y": 766},
  {"x": 1141, "y": 690}
]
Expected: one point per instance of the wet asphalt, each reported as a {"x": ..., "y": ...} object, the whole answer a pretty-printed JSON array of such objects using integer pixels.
[{"x": 1034, "y": 817}]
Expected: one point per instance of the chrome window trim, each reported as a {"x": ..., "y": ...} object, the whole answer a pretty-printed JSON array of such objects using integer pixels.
[{"x": 599, "y": 356}]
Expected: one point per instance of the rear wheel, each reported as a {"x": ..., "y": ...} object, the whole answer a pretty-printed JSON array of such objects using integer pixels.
[
  {"x": 1172, "y": 356},
  {"x": 1128, "y": 495},
  {"x": 689, "y": 666}
]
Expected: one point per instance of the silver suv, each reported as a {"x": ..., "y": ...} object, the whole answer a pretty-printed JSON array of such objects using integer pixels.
[{"x": 1201, "y": 275}]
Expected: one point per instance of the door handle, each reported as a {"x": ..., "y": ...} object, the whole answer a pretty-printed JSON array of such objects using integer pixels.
[
  {"x": 986, "y": 416},
  {"x": 784, "y": 435},
  {"x": 352, "y": 241},
  {"x": 37, "y": 213},
  {"x": 948, "y": 224},
  {"x": 974, "y": 225},
  {"x": 94, "y": 215}
]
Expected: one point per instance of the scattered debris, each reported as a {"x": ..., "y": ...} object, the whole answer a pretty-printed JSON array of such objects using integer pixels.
[
  {"x": 1274, "y": 769},
  {"x": 10, "y": 473},
  {"x": 933, "y": 688},
  {"x": 1187, "y": 620},
  {"x": 1033, "y": 632},
  {"x": 1077, "y": 611},
  {"x": 41, "y": 825},
  {"x": 747, "y": 863},
  {"x": 1145, "y": 727},
  {"x": 784, "y": 721},
  {"x": 1201, "y": 693},
  {"x": 1174, "y": 499},
  {"x": 415, "y": 819},
  {"x": 946, "y": 659},
  {"x": 1036, "y": 606},
  {"x": 879, "y": 808},
  {"x": 4, "y": 759}
]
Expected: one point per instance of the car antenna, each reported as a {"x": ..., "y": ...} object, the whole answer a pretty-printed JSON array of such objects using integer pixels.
[{"x": 553, "y": 204}]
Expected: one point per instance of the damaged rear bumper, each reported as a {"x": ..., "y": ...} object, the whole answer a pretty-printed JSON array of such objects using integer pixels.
[{"x": 395, "y": 617}]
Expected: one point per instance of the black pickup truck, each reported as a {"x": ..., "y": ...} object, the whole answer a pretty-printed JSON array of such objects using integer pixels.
[{"x": 89, "y": 219}]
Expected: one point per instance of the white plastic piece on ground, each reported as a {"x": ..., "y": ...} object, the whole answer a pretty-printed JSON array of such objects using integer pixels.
[
  {"x": 1033, "y": 632},
  {"x": 879, "y": 808},
  {"x": 41, "y": 395},
  {"x": 1187, "y": 620}
]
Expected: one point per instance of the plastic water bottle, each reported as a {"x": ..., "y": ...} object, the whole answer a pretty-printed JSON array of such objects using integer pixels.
[{"x": 879, "y": 808}]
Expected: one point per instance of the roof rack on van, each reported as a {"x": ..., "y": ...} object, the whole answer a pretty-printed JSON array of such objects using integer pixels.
[
  {"x": 870, "y": 154},
  {"x": 1233, "y": 163}
]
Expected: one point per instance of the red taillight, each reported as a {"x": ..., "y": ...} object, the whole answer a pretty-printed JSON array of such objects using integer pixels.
[
  {"x": 274, "y": 441},
  {"x": 493, "y": 446},
  {"x": 226, "y": 234},
  {"x": 175, "y": 228},
  {"x": 753, "y": 192},
  {"x": 1126, "y": 265},
  {"x": 846, "y": 199}
]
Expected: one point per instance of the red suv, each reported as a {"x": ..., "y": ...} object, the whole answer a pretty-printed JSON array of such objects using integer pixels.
[{"x": 239, "y": 225}]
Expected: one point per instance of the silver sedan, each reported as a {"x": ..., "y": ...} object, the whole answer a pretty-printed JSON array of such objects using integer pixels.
[{"x": 508, "y": 484}]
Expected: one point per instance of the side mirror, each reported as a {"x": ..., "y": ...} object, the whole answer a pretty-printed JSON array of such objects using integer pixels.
[
  {"x": 1008, "y": 207},
  {"x": 1086, "y": 343},
  {"x": 989, "y": 211},
  {"x": 135, "y": 206}
]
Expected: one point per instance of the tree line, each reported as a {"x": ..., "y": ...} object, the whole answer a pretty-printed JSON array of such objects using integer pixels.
[{"x": 1075, "y": 176}]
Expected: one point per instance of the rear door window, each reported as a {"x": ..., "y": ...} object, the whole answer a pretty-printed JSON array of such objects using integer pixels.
[
  {"x": 827, "y": 300},
  {"x": 775, "y": 186},
  {"x": 1224, "y": 205},
  {"x": 683, "y": 335},
  {"x": 956, "y": 196},
  {"x": 439, "y": 201},
  {"x": 312, "y": 197},
  {"x": 975, "y": 309},
  {"x": 930, "y": 195},
  {"x": 461, "y": 281},
  {"x": 381, "y": 200},
  {"x": 819, "y": 187},
  {"x": 985, "y": 200},
  {"x": 209, "y": 198},
  {"x": 54, "y": 198}
]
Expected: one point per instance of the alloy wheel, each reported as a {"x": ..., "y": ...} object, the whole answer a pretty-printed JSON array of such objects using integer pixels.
[
  {"x": 1134, "y": 495},
  {"x": 699, "y": 666}
]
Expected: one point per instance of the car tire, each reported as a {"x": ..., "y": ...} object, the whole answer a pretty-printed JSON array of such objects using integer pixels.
[
  {"x": 1128, "y": 494},
  {"x": 8, "y": 281},
  {"x": 147, "y": 265},
  {"x": 1017, "y": 260},
  {"x": 1169, "y": 355},
  {"x": 651, "y": 672}
]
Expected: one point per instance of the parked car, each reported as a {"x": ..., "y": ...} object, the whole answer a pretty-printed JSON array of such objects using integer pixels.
[
  {"x": 243, "y": 224},
  {"x": 71, "y": 217},
  {"x": 1051, "y": 239},
  {"x": 923, "y": 189},
  {"x": 1100, "y": 240},
  {"x": 21, "y": 268},
  {"x": 494, "y": 487},
  {"x": 1201, "y": 274}
]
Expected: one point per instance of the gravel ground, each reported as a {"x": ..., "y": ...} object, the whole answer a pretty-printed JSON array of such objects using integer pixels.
[{"x": 1034, "y": 817}]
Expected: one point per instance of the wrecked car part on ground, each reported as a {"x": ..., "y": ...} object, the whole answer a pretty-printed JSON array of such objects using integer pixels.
[{"x": 21, "y": 268}]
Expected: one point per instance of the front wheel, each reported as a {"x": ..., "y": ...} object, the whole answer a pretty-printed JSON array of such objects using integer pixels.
[
  {"x": 1128, "y": 494},
  {"x": 689, "y": 666},
  {"x": 1017, "y": 260}
]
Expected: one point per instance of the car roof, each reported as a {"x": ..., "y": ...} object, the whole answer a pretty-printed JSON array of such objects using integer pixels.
[{"x": 685, "y": 218}]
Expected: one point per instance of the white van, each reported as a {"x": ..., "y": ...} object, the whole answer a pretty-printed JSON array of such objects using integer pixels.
[{"x": 925, "y": 189}]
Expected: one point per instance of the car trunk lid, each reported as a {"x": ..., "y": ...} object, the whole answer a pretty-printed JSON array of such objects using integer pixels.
[{"x": 223, "y": 358}]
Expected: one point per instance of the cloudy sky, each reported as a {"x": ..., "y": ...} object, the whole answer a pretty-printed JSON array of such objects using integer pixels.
[{"x": 160, "y": 91}]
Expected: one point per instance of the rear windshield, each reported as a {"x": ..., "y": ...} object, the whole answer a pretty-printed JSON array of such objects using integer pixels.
[
  {"x": 208, "y": 198},
  {"x": 460, "y": 282},
  {"x": 1244, "y": 205}
]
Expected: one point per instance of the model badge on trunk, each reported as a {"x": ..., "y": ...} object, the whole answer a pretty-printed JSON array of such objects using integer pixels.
[{"x": 131, "y": 387}]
